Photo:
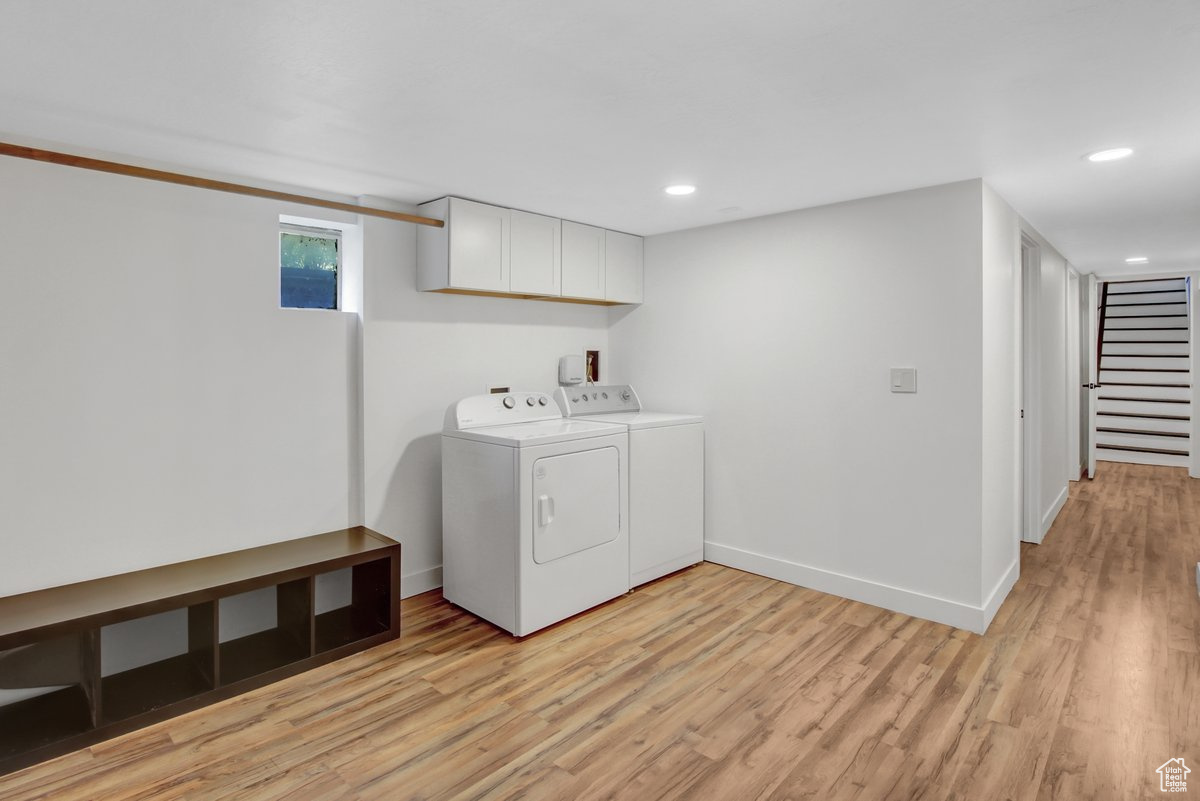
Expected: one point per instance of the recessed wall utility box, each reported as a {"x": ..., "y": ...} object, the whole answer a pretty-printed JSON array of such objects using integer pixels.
[
  {"x": 904, "y": 379},
  {"x": 592, "y": 358}
]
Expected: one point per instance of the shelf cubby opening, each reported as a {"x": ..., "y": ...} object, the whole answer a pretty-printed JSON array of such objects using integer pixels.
[
  {"x": 47, "y": 692},
  {"x": 288, "y": 640},
  {"x": 182, "y": 666},
  {"x": 367, "y": 613}
]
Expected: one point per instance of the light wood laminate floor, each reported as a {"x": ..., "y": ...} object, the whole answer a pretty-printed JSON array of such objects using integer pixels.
[{"x": 715, "y": 684}]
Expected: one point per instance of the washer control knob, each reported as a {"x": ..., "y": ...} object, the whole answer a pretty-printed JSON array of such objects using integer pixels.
[
  {"x": 625, "y": 395},
  {"x": 604, "y": 395},
  {"x": 583, "y": 398},
  {"x": 529, "y": 401},
  {"x": 509, "y": 402},
  {"x": 542, "y": 401}
]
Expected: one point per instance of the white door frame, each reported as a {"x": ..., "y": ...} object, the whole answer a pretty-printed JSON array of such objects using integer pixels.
[
  {"x": 1074, "y": 377},
  {"x": 1031, "y": 369},
  {"x": 1091, "y": 316},
  {"x": 1193, "y": 285}
]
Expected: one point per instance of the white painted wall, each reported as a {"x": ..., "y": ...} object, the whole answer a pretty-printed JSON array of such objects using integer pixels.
[
  {"x": 1001, "y": 398},
  {"x": 781, "y": 330},
  {"x": 423, "y": 351},
  {"x": 156, "y": 404},
  {"x": 1055, "y": 382}
]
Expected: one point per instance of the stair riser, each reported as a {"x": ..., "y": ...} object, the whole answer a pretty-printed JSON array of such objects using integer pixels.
[
  {"x": 1141, "y": 458},
  {"x": 1115, "y": 287},
  {"x": 1143, "y": 424},
  {"x": 1154, "y": 296},
  {"x": 1146, "y": 311},
  {"x": 1130, "y": 377},
  {"x": 1142, "y": 336},
  {"x": 1166, "y": 363},
  {"x": 1177, "y": 349},
  {"x": 1145, "y": 407},
  {"x": 1119, "y": 323},
  {"x": 1148, "y": 393},
  {"x": 1142, "y": 441}
]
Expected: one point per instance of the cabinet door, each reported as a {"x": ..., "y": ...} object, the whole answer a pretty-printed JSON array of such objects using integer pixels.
[
  {"x": 535, "y": 254},
  {"x": 622, "y": 267},
  {"x": 582, "y": 261},
  {"x": 479, "y": 239}
]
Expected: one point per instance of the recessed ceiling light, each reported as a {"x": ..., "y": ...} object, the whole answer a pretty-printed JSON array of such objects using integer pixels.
[
  {"x": 1137, "y": 260},
  {"x": 680, "y": 189},
  {"x": 1112, "y": 154}
]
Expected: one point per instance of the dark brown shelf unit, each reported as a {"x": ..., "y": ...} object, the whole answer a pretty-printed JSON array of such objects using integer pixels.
[{"x": 52, "y": 637}]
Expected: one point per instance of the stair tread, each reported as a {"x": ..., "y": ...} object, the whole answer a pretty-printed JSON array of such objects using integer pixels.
[
  {"x": 1142, "y": 341},
  {"x": 1140, "y": 316},
  {"x": 1165, "y": 451},
  {"x": 1177, "y": 434},
  {"x": 1150, "y": 328},
  {"x": 1143, "y": 370},
  {"x": 1145, "y": 281},
  {"x": 1146, "y": 292},
  {"x": 1145, "y": 355},
  {"x": 1149, "y": 303},
  {"x": 1143, "y": 400},
  {"x": 1144, "y": 415},
  {"x": 1141, "y": 384}
]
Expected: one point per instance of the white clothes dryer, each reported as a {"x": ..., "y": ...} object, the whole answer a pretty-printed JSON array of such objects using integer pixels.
[
  {"x": 535, "y": 511},
  {"x": 666, "y": 476}
]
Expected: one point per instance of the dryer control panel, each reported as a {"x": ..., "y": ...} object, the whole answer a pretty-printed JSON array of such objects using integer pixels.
[
  {"x": 596, "y": 399},
  {"x": 500, "y": 409}
]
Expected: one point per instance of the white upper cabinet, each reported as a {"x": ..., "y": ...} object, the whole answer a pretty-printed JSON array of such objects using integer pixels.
[
  {"x": 535, "y": 254},
  {"x": 483, "y": 248},
  {"x": 470, "y": 252},
  {"x": 479, "y": 255},
  {"x": 582, "y": 261},
  {"x": 622, "y": 267}
]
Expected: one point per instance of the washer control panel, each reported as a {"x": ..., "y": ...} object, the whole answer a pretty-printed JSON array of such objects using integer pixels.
[
  {"x": 596, "y": 399},
  {"x": 500, "y": 409}
]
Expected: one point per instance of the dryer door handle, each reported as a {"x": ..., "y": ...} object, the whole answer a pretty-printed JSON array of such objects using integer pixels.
[{"x": 545, "y": 510}]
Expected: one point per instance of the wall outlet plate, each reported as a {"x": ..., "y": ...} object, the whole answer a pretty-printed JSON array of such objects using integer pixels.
[{"x": 904, "y": 379}]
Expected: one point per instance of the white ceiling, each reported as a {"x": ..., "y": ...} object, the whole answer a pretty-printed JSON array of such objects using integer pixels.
[{"x": 585, "y": 110}]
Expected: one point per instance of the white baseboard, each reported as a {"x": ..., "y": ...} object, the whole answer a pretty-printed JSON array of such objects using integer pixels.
[
  {"x": 909, "y": 602},
  {"x": 992, "y": 605},
  {"x": 421, "y": 581},
  {"x": 1052, "y": 512}
]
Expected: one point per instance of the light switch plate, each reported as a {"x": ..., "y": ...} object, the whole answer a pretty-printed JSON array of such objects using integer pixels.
[{"x": 904, "y": 379}]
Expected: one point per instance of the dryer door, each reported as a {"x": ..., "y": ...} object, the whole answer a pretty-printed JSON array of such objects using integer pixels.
[{"x": 576, "y": 502}]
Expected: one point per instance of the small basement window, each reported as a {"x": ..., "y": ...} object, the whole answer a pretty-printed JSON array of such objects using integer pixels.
[{"x": 310, "y": 260}]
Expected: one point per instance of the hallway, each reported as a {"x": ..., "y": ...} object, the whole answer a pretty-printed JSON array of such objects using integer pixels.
[
  {"x": 718, "y": 684},
  {"x": 1106, "y": 622}
]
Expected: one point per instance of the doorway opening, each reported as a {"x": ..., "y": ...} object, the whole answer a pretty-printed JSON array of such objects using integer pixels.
[{"x": 1143, "y": 356}]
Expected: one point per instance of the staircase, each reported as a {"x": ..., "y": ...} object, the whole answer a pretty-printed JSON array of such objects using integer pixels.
[{"x": 1144, "y": 403}]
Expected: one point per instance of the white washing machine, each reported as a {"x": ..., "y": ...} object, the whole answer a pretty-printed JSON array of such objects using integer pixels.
[
  {"x": 666, "y": 477},
  {"x": 535, "y": 511}
]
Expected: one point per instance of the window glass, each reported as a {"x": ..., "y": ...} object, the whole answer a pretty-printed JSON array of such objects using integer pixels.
[{"x": 308, "y": 268}]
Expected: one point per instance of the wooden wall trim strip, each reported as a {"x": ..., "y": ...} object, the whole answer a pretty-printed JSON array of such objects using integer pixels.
[{"x": 117, "y": 168}]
